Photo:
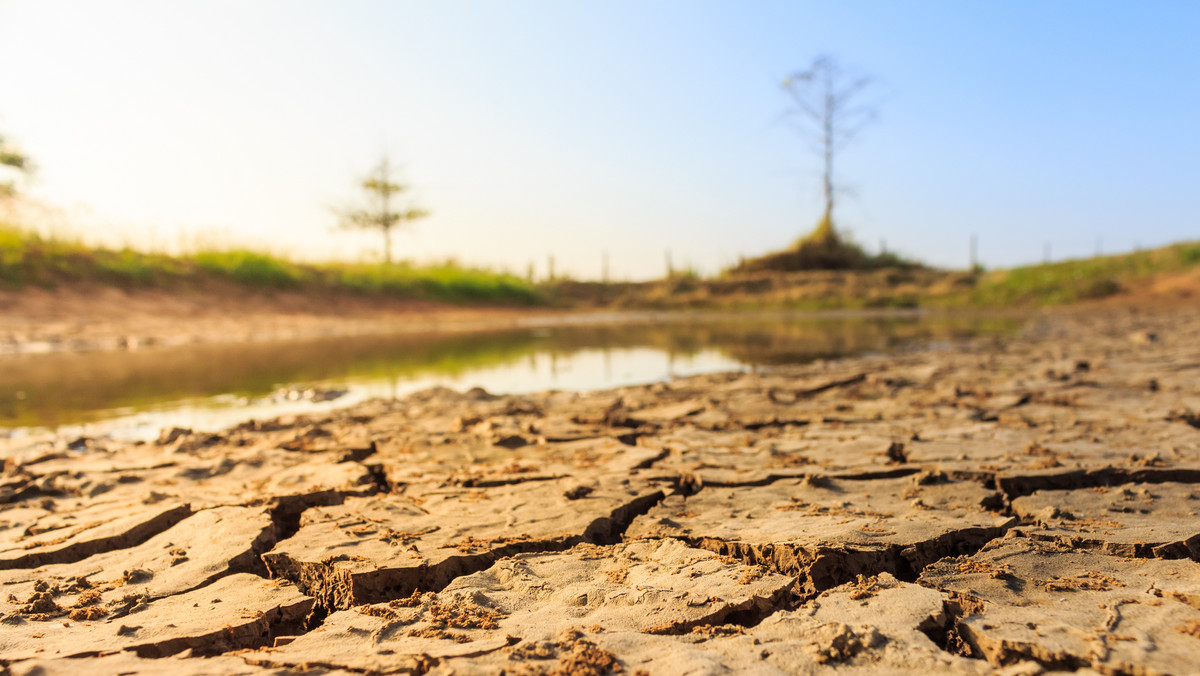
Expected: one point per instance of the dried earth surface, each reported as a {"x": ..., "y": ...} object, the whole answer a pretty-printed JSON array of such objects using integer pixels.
[{"x": 1021, "y": 505}]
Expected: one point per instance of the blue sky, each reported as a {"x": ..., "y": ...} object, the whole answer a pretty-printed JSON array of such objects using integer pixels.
[{"x": 538, "y": 128}]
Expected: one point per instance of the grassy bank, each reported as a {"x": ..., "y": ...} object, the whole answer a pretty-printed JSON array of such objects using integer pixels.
[
  {"x": 897, "y": 287},
  {"x": 28, "y": 259},
  {"x": 1082, "y": 279}
]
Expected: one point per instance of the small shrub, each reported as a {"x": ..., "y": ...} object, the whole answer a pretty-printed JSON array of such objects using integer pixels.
[{"x": 823, "y": 249}]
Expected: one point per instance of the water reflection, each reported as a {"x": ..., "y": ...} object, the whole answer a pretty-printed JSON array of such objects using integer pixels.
[{"x": 50, "y": 390}]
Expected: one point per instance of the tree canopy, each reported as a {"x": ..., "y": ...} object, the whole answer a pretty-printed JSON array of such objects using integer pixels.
[
  {"x": 826, "y": 110},
  {"x": 379, "y": 213},
  {"x": 13, "y": 158}
]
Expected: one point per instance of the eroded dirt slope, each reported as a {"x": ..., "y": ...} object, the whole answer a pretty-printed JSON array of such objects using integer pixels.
[{"x": 1026, "y": 504}]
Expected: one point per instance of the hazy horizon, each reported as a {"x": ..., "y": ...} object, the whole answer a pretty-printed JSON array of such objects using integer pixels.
[{"x": 535, "y": 128}]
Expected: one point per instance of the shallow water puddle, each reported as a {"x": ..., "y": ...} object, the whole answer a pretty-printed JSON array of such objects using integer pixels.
[{"x": 138, "y": 393}]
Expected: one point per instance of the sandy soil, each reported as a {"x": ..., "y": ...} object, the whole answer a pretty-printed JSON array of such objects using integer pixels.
[{"x": 1016, "y": 505}]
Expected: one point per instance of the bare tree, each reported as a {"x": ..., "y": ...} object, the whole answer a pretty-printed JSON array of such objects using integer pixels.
[
  {"x": 379, "y": 214},
  {"x": 826, "y": 110},
  {"x": 11, "y": 157}
]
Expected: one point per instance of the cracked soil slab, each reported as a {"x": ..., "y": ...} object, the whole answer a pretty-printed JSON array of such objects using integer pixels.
[
  {"x": 194, "y": 552},
  {"x": 1159, "y": 520},
  {"x": 236, "y": 611},
  {"x": 521, "y": 602},
  {"x": 62, "y": 537},
  {"x": 827, "y": 531},
  {"x": 372, "y": 549},
  {"x": 129, "y": 664},
  {"x": 1024, "y": 599}
]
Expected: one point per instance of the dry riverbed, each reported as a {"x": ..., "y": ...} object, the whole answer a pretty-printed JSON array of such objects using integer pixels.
[{"x": 1023, "y": 504}]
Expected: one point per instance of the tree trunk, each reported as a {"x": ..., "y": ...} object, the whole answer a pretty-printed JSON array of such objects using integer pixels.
[{"x": 824, "y": 232}]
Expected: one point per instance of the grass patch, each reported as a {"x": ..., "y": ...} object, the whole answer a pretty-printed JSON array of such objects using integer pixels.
[
  {"x": 249, "y": 268},
  {"x": 29, "y": 259},
  {"x": 1082, "y": 279},
  {"x": 448, "y": 282}
]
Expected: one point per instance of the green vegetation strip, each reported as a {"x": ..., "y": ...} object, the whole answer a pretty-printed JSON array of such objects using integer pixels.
[
  {"x": 1083, "y": 279},
  {"x": 29, "y": 259}
]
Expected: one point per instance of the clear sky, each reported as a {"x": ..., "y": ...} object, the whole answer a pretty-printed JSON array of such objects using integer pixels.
[{"x": 576, "y": 127}]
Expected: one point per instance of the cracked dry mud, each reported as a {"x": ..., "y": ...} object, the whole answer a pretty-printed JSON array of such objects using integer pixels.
[{"x": 1018, "y": 505}]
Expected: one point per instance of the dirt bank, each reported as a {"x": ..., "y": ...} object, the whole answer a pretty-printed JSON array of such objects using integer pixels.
[
  {"x": 886, "y": 289},
  {"x": 1027, "y": 503},
  {"x": 91, "y": 317},
  {"x": 104, "y": 317}
]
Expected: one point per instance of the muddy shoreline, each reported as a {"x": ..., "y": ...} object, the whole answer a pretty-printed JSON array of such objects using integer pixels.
[
  {"x": 86, "y": 319},
  {"x": 35, "y": 321},
  {"x": 1025, "y": 503}
]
